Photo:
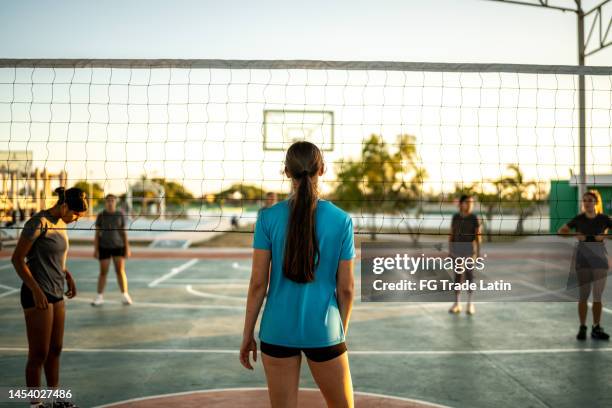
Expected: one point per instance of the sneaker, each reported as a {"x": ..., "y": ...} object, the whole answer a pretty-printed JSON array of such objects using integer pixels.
[
  {"x": 598, "y": 333},
  {"x": 455, "y": 309},
  {"x": 98, "y": 301},
  {"x": 127, "y": 300},
  {"x": 470, "y": 309},
  {"x": 582, "y": 333}
]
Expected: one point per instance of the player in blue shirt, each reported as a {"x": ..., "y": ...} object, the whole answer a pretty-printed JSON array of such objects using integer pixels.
[{"x": 303, "y": 261}]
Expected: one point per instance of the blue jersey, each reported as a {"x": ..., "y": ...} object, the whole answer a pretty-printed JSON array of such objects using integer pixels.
[{"x": 304, "y": 314}]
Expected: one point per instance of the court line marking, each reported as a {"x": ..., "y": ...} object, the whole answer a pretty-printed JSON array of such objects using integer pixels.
[
  {"x": 8, "y": 293},
  {"x": 7, "y": 287},
  {"x": 239, "y": 267},
  {"x": 194, "y": 292},
  {"x": 242, "y": 286},
  {"x": 548, "y": 264},
  {"x": 546, "y": 290},
  {"x": 360, "y": 306},
  {"x": 7, "y": 266},
  {"x": 604, "y": 309},
  {"x": 198, "y": 293},
  {"x": 137, "y": 304},
  {"x": 177, "y": 281},
  {"x": 351, "y": 352},
  {"x": 241, "y": 307},
  {"x": 238, "y": 389},
  {"x": 536, "y": 286},
  {"x": 174, "y": 272}
]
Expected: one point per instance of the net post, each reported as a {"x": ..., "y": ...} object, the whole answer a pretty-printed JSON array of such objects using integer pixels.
[{"x": 581, "y": 109}]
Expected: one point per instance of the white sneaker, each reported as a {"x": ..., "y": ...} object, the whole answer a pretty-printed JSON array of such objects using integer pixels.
[
  {"x": 98, "y": 301},
  {"x": 455, "y": 308},
  {"x": 470, "y": 309},
  {"x": 127, "y": 300}
]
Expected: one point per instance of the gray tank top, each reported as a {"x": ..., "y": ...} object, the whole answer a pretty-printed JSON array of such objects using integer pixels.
[{"x": 47, "y": 256}]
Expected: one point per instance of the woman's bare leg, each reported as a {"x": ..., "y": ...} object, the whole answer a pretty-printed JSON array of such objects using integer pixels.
[
  {"x": 283, "y": 376},
  {"x": 334, "y": 380},
  {"x": 104, "y": 264},
  {"x": 119, "y": 262},
  {"x": 39, "y": 325},
  {"x": 52, "y": 364}
]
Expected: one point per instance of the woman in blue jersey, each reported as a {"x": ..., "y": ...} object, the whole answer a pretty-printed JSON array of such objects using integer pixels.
[{"x": 309, "y": 244}]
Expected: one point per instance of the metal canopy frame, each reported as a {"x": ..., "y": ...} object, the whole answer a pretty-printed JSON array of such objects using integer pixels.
[{"x": 603, "y": 30}]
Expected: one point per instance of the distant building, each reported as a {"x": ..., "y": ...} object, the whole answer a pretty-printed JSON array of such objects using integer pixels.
[{"x": 24, "y": 190}]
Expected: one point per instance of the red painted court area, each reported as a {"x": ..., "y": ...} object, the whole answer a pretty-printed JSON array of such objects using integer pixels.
[{"x": 258, "y": 398}]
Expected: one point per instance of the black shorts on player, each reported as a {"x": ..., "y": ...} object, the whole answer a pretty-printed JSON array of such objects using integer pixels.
[
  {"x": 317, "y": 354},
  {"x": 106, "y": 253},
  {"x": 27, "y": 297}
]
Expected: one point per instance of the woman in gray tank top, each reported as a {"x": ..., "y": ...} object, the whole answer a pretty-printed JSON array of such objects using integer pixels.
[
  {"x": 40, "y": 261},
  {"x": 110, "y": 241}
]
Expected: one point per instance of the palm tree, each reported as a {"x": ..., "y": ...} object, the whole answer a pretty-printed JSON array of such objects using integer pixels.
[
  {"x": 384, "y": 179},
  {"x": 518, "y": 194}
]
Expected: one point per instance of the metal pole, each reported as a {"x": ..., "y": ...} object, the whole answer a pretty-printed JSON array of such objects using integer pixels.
[{"x": 581, "y": 108}]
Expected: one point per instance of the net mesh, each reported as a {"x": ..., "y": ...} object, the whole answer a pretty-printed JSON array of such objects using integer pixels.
[{"x": 195, "y": 146}]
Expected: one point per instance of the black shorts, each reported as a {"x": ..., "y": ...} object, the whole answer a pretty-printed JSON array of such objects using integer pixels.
[
  {"x": 587, "y": 276},
  {"x": 468, "y": 274},
  {"x": 27, "y": 298},
  {"x": 106, "y": 253},
  {"x": 318, "y": 354}
]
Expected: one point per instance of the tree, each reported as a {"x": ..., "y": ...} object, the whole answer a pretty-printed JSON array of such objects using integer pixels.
[
  {"x": 245, "y": 192},
  {"x": 511, "y": 191},
  {"x": 383, "y": 180},
  {"x": 175, "y": 193},
  {"x": 519, "y": 194}
]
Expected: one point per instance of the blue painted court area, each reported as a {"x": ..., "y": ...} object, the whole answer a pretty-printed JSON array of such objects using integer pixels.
[{"x": 184, "y": 331}]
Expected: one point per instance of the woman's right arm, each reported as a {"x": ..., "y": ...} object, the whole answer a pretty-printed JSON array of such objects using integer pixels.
[
  {"x": 345, "y": 288},
  {"x": 564, "y": 230},
  {"x": 18, "y": 259},
  {"x": 96, "y": 236},
  {"x": 96, "y": 240}
]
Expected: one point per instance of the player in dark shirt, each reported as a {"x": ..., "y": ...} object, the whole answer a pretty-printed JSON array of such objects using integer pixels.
[
  {"x": 111, "y": 242},
  {"x": 591, "y": 262},
  {"x": 464, "y": 241},
  {"x": 44, "y": 243}
]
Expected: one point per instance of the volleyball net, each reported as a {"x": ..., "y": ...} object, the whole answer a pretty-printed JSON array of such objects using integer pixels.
[{"x": 198, "y": 145}]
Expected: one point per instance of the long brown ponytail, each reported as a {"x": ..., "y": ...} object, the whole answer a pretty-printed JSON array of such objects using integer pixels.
[{"x": 303, "y": 162}]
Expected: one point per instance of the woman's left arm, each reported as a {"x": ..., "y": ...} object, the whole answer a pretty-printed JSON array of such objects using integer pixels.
[
  {"x": 72, "y": 290},
  {"x": 606, "y": 231},
  {"x": 258, "y": 287}
]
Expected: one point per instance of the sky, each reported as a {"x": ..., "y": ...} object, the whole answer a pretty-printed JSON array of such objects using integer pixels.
[
  {"x": 402, "y": 30},
  {"x": 434, "y": 31}
]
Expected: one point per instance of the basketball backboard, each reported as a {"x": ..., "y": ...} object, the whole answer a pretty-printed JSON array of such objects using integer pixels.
[{"x": 284, "y": 127}]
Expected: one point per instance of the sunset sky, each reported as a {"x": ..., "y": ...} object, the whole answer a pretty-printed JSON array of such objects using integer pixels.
[{"x": 208, "y": 134}]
